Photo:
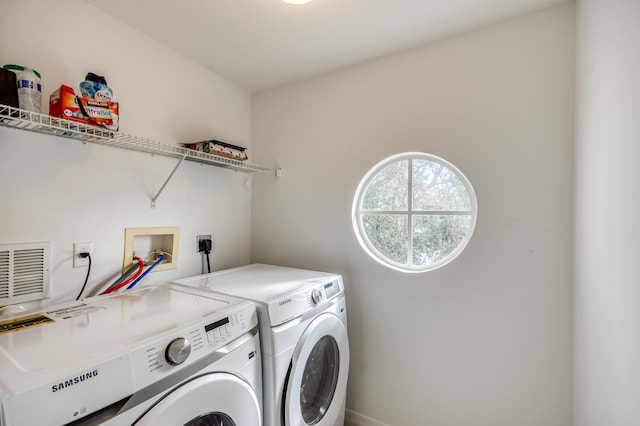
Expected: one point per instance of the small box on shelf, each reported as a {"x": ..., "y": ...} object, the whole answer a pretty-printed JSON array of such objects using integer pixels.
[
  {"x": 63, "y": 103},
  {"x": 221, "y": 149}
]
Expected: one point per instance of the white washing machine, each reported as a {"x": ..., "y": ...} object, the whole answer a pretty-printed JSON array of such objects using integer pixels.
[
  {"x": 303, "y": 328},
  {"x": 161, "y": 355}
]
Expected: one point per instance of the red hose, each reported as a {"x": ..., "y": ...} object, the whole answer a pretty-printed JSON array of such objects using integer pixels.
[{"x": 128, "y": 280}]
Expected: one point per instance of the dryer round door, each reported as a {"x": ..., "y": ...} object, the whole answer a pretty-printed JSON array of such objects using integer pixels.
[
  {"x": 213, "y": 399},
  {"x": 316, "y": 385}
]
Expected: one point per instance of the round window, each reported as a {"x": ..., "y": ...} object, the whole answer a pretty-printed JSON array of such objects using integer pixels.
[{"x": 414, "y": 212}]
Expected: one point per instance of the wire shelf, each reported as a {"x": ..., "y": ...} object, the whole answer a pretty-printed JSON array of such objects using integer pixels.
[{"x": 20, "y": 119}]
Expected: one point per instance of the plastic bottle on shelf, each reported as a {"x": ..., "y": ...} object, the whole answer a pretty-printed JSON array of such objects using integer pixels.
[{"x": 29, "y": 87}]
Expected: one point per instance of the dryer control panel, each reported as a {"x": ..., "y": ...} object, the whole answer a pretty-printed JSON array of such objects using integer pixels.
[{"x": 298, "y": 303}]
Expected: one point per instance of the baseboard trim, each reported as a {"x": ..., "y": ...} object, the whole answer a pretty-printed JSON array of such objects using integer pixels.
[{"x": 356, "y": 419}]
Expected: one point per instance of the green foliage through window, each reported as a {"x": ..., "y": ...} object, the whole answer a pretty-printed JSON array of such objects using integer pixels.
[{"x": 414, "y": 212}]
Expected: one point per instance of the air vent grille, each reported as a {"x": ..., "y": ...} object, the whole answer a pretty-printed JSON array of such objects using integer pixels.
[
  {"x": 24, "y": 272},
  {"x": 4, "y": 274}
]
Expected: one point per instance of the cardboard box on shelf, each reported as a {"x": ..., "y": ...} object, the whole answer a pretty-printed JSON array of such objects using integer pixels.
[
  {"x": 64, "y": 103},
  {"x": 221, "y": 149}
]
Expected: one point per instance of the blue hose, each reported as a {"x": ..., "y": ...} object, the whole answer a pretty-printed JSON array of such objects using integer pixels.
[{"x": 137, "y": 280}]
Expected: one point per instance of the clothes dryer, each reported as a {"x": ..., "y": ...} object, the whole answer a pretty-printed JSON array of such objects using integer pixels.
[
  {"x": 161, "y": 355},
  {"x": 305, "y": 347}
]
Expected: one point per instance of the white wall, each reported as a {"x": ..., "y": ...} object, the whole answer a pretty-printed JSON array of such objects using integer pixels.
[
  {"x": 607, "y": 294},
  {"x": 487, "y": 339},
  {"x": 62, "y": 191}
]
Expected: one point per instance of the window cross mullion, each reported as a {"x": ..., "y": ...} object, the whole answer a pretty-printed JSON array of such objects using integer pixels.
[{"x": 410, "y": 213}]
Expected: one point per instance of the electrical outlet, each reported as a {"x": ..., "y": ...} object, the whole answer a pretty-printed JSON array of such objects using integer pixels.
[
  {"x": 79, "y": 261},
  {"x": 200, "y": 238}
]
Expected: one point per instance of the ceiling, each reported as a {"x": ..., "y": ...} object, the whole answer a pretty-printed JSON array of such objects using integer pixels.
[{"x": 261, "y": 44}]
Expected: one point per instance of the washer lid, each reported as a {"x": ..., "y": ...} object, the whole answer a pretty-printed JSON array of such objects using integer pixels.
[{"x": 61, "y": 340}]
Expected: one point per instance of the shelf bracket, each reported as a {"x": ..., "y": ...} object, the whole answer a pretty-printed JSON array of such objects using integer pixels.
[{"x": 153, "y": 200}]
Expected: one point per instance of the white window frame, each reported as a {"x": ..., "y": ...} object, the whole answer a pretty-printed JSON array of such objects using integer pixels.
[{"x": 357, "y": 213}]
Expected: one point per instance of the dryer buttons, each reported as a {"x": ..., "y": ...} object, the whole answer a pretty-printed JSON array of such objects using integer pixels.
[{"x": 177, "y": 351}]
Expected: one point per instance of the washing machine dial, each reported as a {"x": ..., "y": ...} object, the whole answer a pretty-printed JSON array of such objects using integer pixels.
[
  {"x": 316, "y": 296},
  {"x": 177, "y": 351}
]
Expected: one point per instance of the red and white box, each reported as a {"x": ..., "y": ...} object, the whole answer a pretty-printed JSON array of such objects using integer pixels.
[{"x": 64, "y": 103}]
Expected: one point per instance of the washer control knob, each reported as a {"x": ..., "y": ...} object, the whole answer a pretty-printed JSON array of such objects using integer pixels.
[
  {"x": 316, "y": 296},
  {"x": 177, "y": 351}
]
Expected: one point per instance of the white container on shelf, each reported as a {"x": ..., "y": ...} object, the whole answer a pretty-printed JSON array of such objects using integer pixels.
[{"x": 29, "y": 87}]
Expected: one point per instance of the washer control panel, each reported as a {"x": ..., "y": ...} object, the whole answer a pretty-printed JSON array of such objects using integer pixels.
[
  {"x": 182, "y": 348},
  {"x": 219, "y": 331}
]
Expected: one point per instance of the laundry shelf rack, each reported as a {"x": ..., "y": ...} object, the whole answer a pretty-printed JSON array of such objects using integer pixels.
[
  {"x": 26, "y": 120},
  {"x": 41, "y": 123}
]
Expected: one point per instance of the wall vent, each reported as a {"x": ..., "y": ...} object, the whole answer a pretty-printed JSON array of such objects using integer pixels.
[{"x": 24, "y": 272}]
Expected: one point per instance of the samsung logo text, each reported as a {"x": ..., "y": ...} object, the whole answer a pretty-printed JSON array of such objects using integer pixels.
[{"x": 74, "y": 381}]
